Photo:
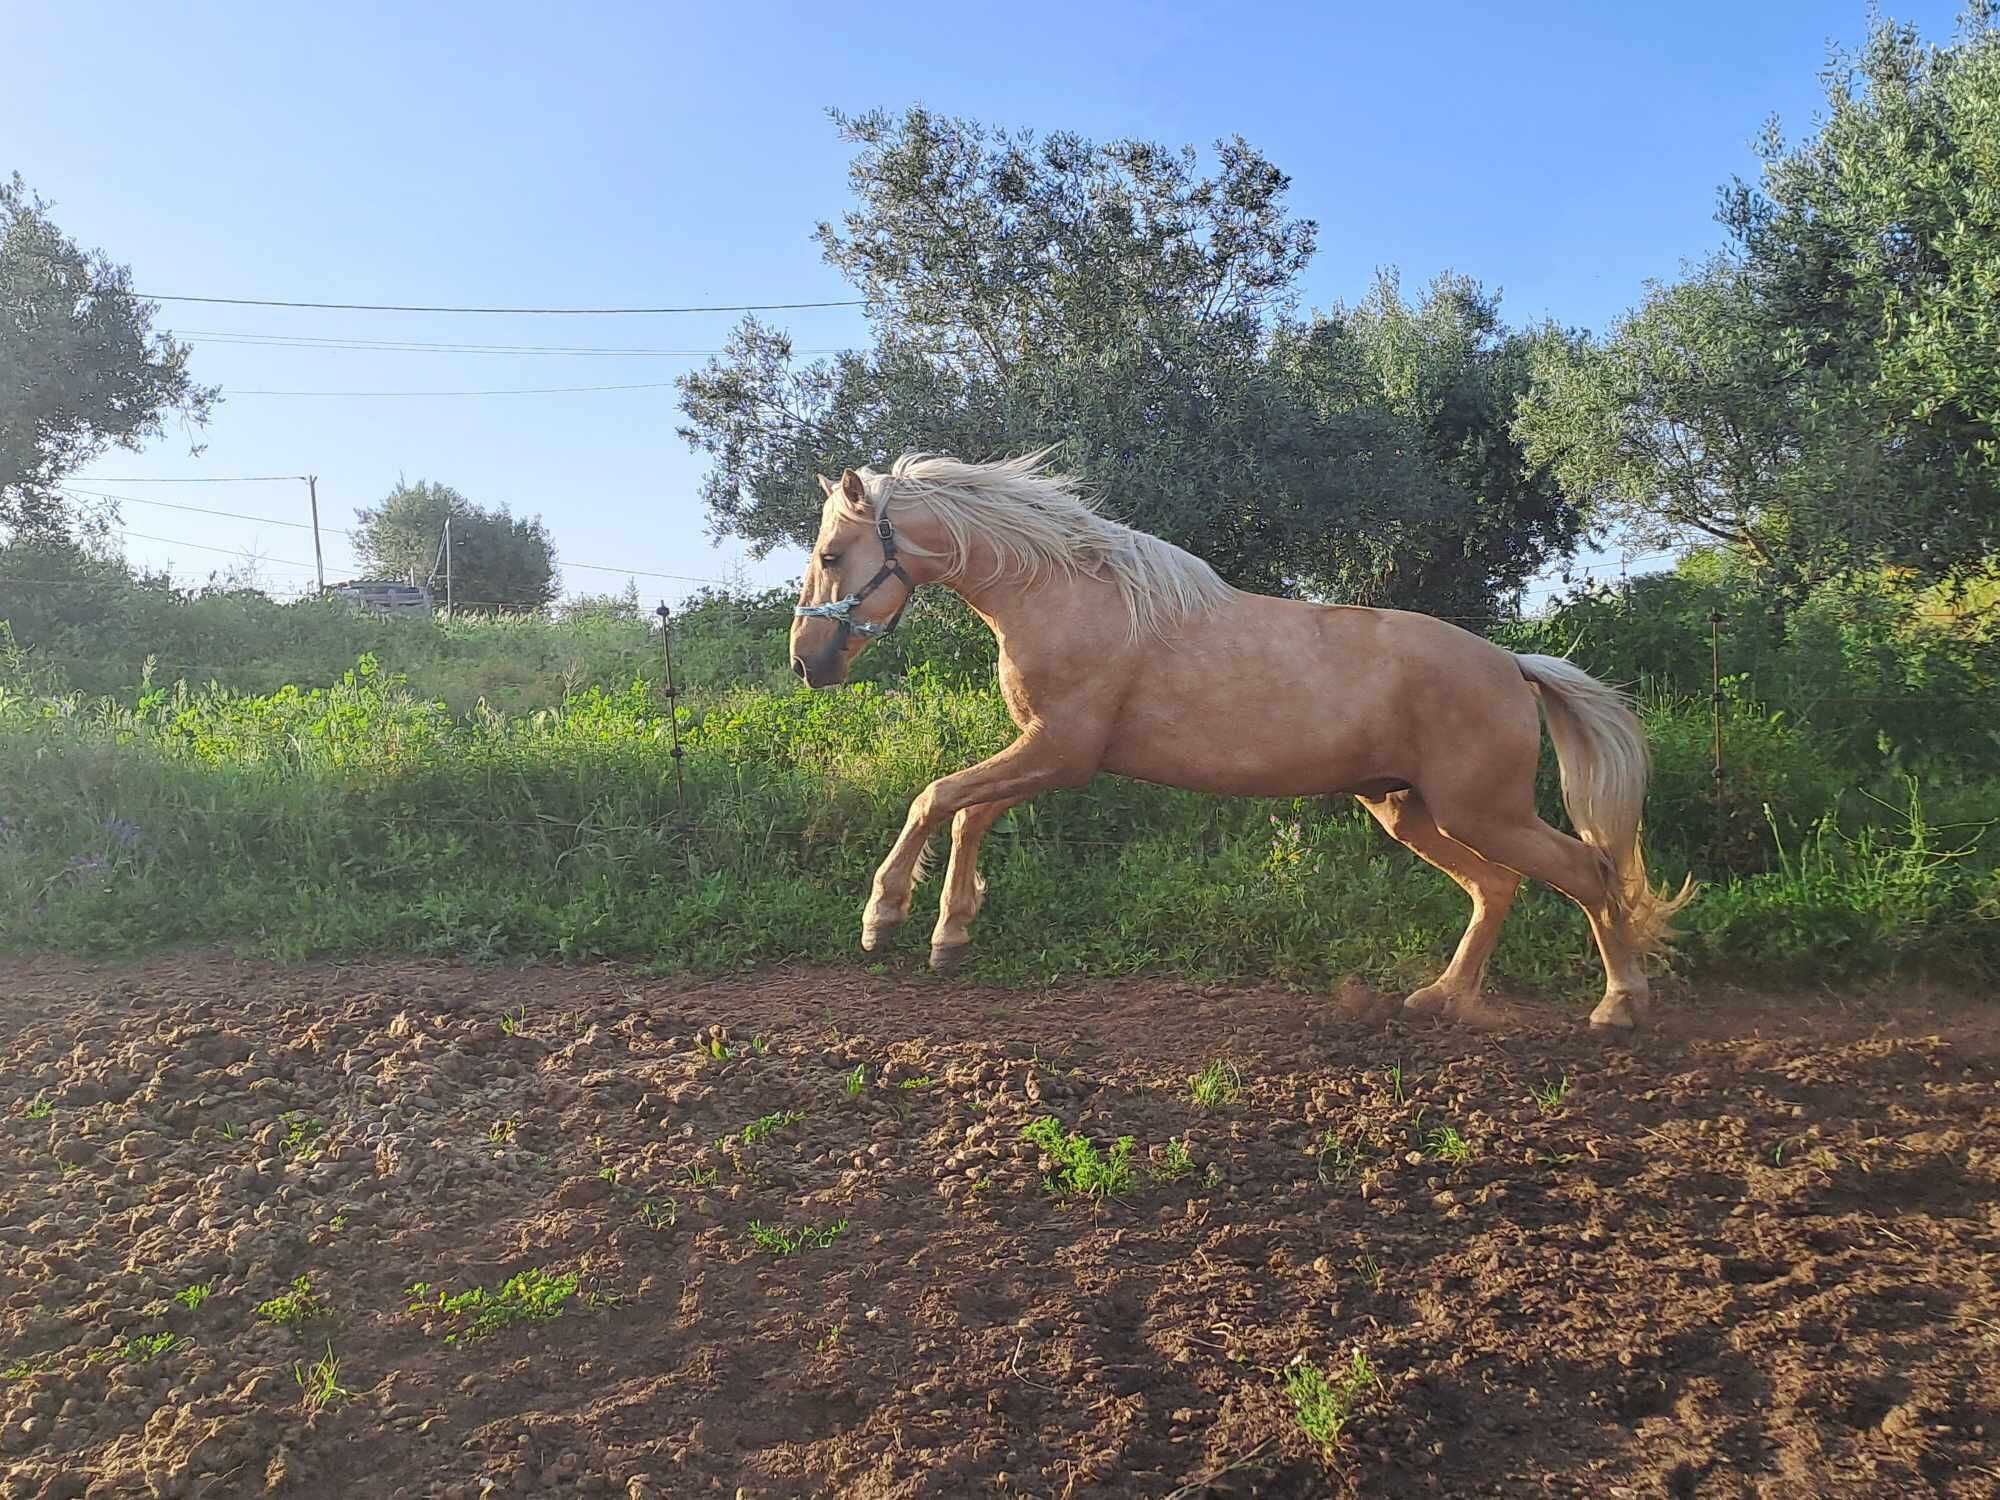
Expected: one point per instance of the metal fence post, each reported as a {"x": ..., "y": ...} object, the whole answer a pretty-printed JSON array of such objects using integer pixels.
[{"x": 673, "y": 695}]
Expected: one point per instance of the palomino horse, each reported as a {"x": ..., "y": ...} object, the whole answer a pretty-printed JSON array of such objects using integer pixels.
[{"x": 1120, "y": 652}]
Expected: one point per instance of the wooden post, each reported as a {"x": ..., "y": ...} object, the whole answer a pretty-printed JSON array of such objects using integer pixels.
[
  {"x": 1715, "y": 853},
  {"x": 447, "y": 565},
  {"x": 312, "y": 498}
]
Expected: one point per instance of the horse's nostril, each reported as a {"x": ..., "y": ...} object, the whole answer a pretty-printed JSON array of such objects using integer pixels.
[{"x": 798, "y": 666}]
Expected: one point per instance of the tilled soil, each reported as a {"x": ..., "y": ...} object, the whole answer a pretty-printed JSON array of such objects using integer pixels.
[{"x": 1751, "y": 1253}]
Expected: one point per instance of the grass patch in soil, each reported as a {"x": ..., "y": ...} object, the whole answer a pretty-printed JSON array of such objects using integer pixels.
[
  {"x": 1174, "y": 1162},
  {"x": 531, "y": 1296},
  {"x": 775, "y": 1239},
  {"x": 758, "y": 1131},
  {"x": 1216, "y": 1085},
  {"x": 1549, "y": 1096},
  {"x": 142, "y": 1348},
  {"x": 1447, "y": 1145},
  {"x": 296, "y": 1306},
  {"x": 1324, "y": 1404},
  {"x": 319, "y": 1383},
  {"x": 31, "y": 1366},
  {"x": 300, "y": 1142},
  {"x": 1079, "y": 1167}
]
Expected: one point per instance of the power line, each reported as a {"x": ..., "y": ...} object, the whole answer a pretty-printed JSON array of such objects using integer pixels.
[
  {"x": 237, "y": 515},
  {"x": 532, "y": 390},
  {"x": 564, "y": 312},
  {"x": 203, "y": 510},
  {"x": 207, "y": 479},
  {"x": 422, "y": 346},
  {"x": 238, "y": 552},
  {"x": 645, "y": 573}
]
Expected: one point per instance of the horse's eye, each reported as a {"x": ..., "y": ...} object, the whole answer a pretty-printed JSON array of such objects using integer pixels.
[{"x": 830, "y": 559}]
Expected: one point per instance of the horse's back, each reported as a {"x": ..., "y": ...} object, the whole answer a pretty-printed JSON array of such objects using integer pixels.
[{"x": 1274, "y": 697}]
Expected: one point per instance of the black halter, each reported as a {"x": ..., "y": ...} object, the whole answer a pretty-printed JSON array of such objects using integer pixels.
[{"x": 841, "y": 610}]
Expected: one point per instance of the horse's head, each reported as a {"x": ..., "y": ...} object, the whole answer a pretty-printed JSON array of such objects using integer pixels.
[{"x": 856, "y": 586}]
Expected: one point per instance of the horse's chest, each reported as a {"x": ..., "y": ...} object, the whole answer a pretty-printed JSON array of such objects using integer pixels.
[{"x": 1015, "y": 694}]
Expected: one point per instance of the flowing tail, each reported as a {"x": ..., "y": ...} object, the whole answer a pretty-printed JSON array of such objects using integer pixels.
[{"x": 1601, "y": 748}]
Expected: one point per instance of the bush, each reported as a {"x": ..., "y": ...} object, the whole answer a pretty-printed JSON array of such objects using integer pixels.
[{"x": 503, "y": 788}]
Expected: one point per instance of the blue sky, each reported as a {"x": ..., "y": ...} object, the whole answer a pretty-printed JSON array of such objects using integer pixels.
[{"x": 622, "y": 154}]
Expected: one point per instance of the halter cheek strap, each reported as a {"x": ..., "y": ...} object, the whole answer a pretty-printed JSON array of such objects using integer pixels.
[{"x": 841, "y": 610}]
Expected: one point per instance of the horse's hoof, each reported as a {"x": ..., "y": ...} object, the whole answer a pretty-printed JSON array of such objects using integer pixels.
[
  {"x": 875, "y": 936},
  {"x": 1617, "y": 1014},
  {"x": 948, "y": 958},
  {"x": 1428, "y": 1001}
]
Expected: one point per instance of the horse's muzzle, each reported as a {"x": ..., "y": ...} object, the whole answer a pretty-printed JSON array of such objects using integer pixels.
[{"x": 822, "y": 669}]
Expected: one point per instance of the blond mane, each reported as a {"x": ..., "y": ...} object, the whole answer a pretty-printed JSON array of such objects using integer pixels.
[{"x": 1038, "y": 523}]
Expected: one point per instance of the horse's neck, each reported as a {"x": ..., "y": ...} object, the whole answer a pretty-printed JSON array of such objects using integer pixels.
[{"x": 1019, "y": 613}]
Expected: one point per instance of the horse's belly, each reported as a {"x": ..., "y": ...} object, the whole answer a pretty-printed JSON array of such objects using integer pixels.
[{"x": 1235, "y": 765}]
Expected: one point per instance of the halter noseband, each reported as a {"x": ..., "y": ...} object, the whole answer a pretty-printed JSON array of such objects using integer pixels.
[{"x": 841, "y": 610}]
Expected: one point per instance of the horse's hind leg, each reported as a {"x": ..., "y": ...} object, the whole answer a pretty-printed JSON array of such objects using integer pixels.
[
  {"x": 1522, "y": 841},
  {"x": 964, "y": 888},
  {"x": 1492, "y": 888}
]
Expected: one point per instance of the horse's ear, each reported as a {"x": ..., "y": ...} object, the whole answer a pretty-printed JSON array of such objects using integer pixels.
[
  {"x": 825, "y": 484},
  {"x": 853, "y": 489}
]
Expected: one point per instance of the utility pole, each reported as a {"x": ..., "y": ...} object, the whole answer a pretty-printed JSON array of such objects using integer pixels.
[
  {"x": 319, "y": 560},
  {"x": 447, "y": 565}
]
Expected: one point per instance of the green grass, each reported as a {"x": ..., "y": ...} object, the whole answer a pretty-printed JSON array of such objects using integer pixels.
[
  {"x": 761, "y": 1130},
  {"x": 1175, "y": 1162},
  {"x": 192, "y": 1297},
  {"x": 529, "y": 1296},
  {"x": 662, "y": 1213},
  {"x": 1323, "y": 1404},
  {"x": 24, "y": 1369},
  {"x": 775, "y": 1239},
  {"x": 300, "y": 1141},
  {"x": 319, "y": 1383},
  {"x": 295, "y": 1307},
  {"x": 1215, "y": 1085},
  {"x": 318, "y": 801},
  {"x": 143, "y": 1348},
  {"x": 39, "y": 1108},
  {"x": 1549, "y": 1096},
  {"x": 1338, "y": 1161},
  {"x": 1447, "y": 1145},
  {"x": 1080, "y": 1168},
  {"x": 857, "y": 1081}
]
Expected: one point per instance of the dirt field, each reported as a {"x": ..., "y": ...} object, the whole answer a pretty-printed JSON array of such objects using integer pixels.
[{"x": 1754, "y": 1253}]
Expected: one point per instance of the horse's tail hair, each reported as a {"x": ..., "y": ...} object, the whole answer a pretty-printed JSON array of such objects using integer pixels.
[{"x": 1601, "y": 748}]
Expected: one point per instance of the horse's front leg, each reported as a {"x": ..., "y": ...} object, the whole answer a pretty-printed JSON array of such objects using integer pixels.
[
  {"x": 1036, "y": 762},
  {"x": 964, "y": 889}
]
